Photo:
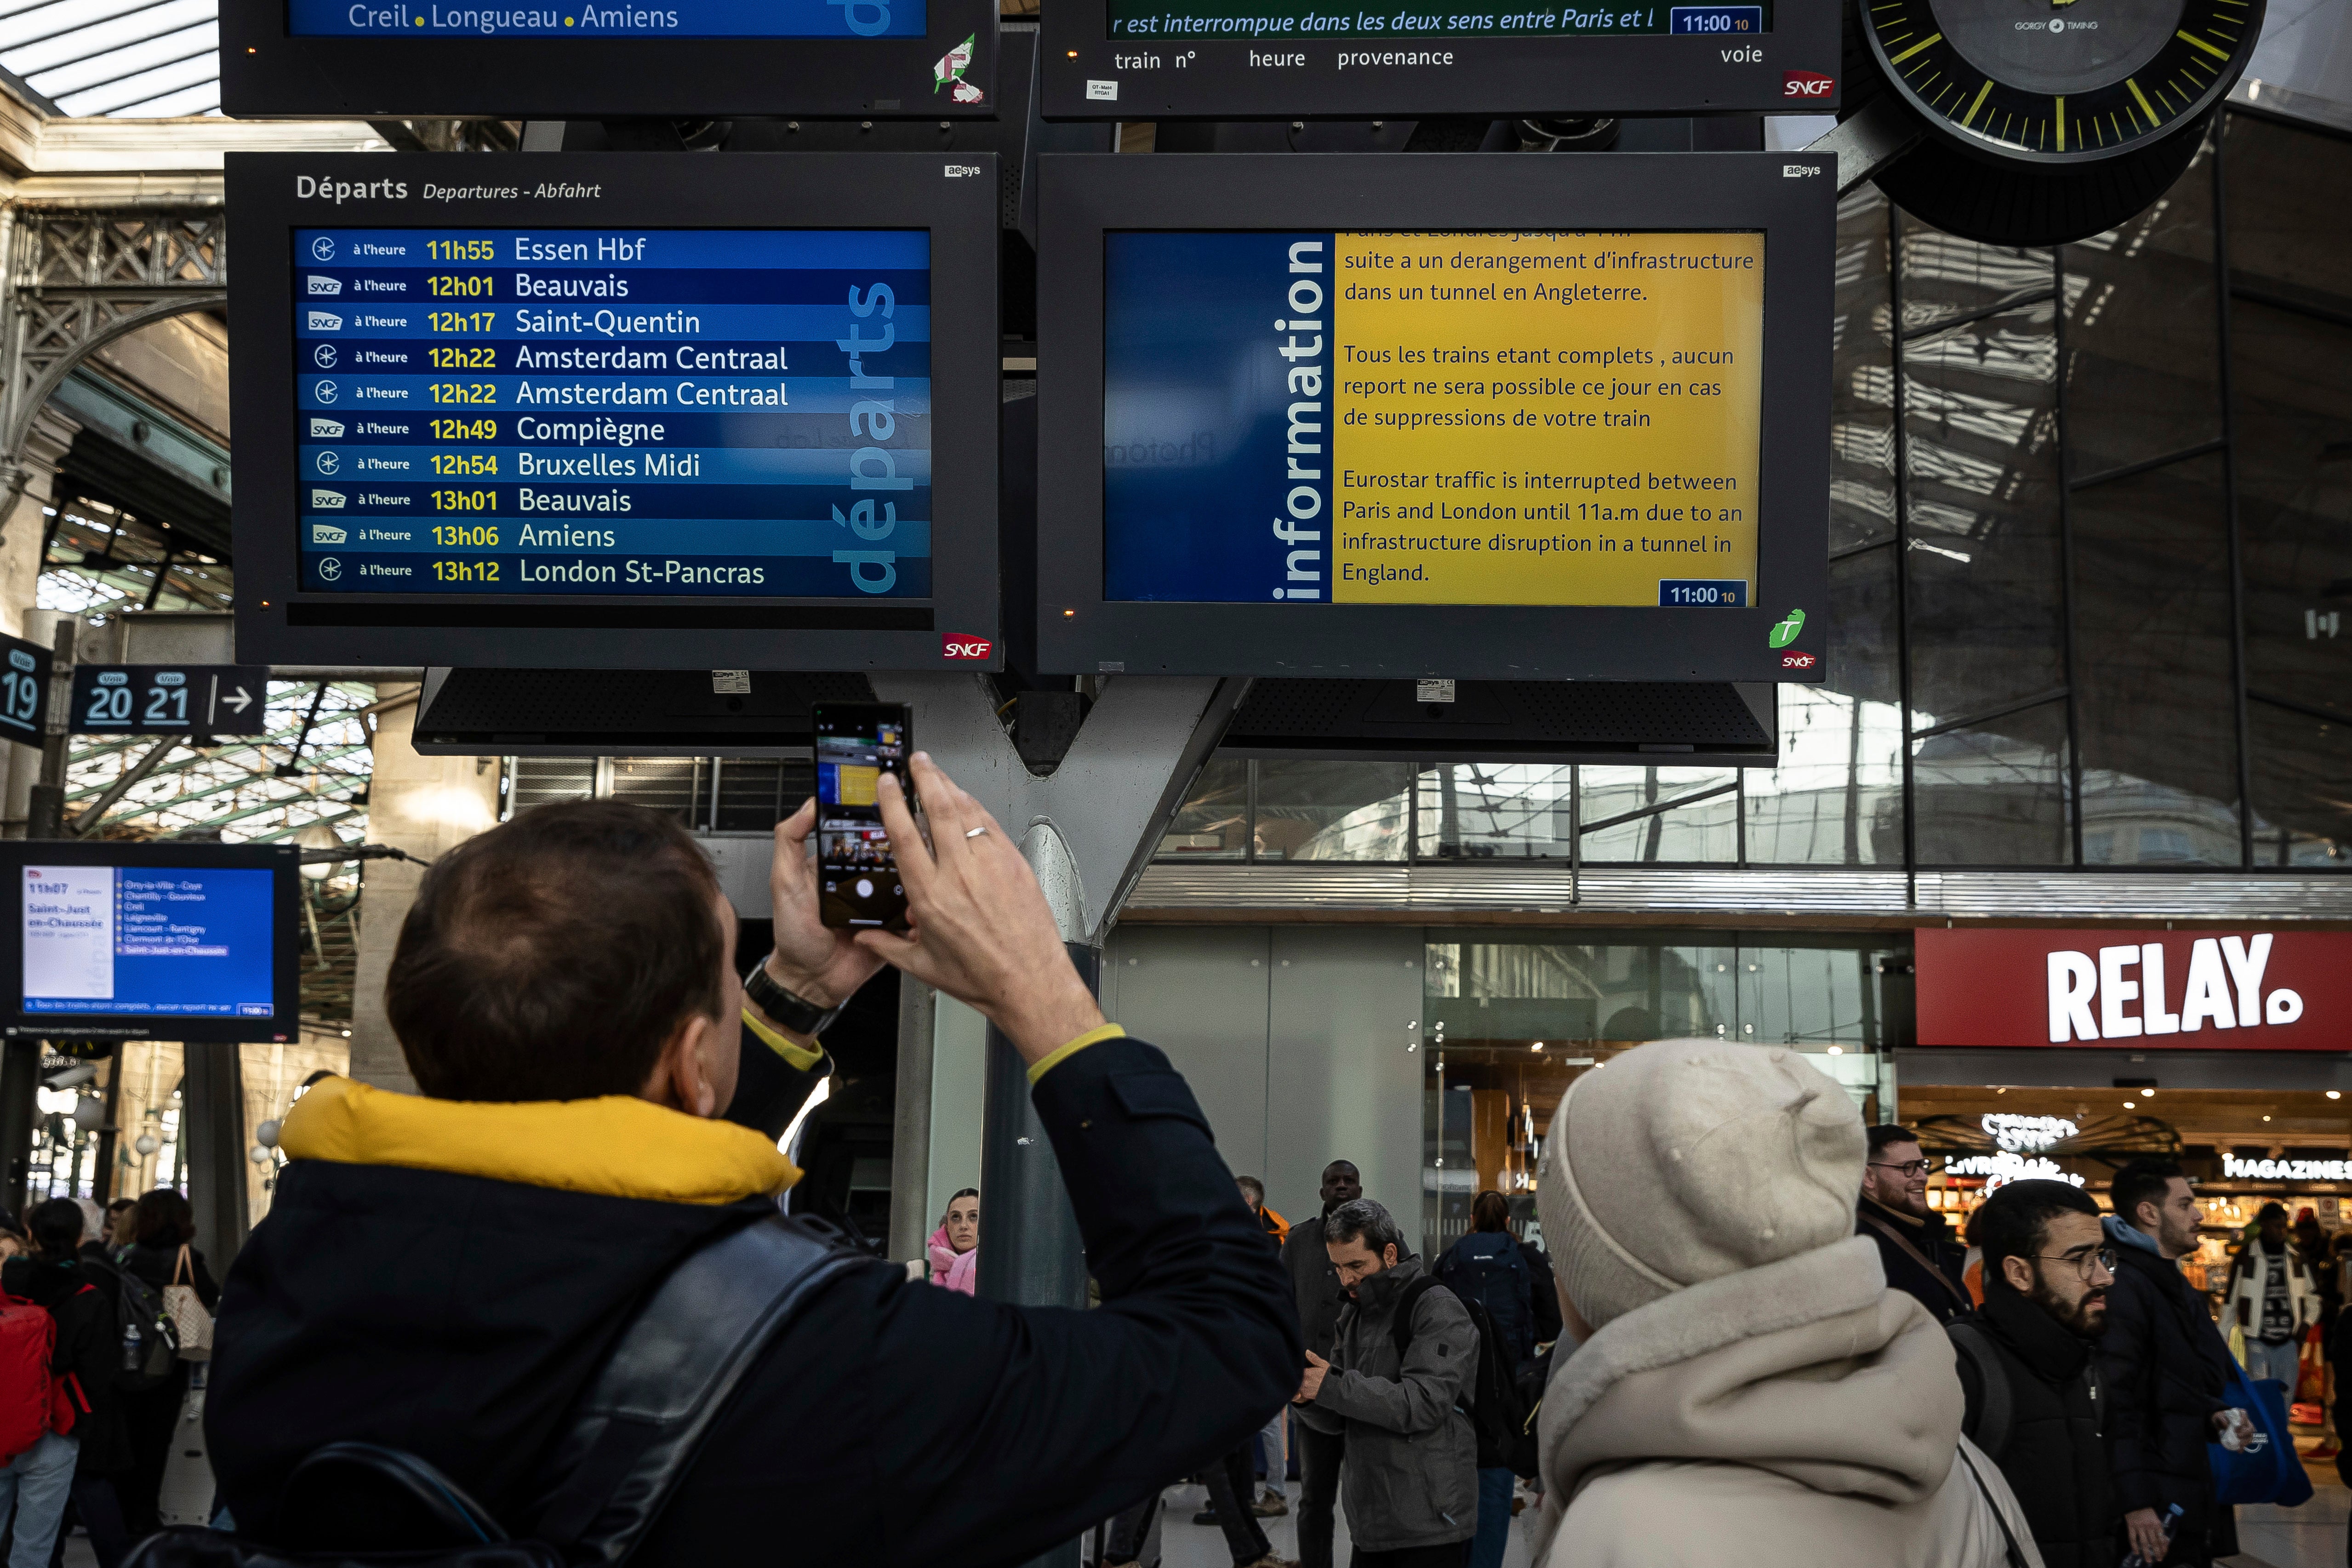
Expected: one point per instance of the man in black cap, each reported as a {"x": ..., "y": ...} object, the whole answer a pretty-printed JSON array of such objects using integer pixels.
[
  {"x": 2274, "y": 1298},
  {"x": 1914, "y": 1241}
]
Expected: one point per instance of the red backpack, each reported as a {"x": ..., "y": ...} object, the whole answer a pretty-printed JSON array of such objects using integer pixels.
[{"x": 32, "y": 1402}]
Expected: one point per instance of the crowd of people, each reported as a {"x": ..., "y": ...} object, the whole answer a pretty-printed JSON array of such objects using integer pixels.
[
  {"x": 96, "y": 1453},
  {"x": 1746, "y": 1337}
]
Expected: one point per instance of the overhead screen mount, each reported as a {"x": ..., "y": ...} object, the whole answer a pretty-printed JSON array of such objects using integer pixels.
[
  {"x": 151, "y": 941},
  {"x": 608, "y": 411},
  {"x": 1282, "y": 59},
  {"x": 923, "y": 59},
  {"x": 1376, "y": 416}
]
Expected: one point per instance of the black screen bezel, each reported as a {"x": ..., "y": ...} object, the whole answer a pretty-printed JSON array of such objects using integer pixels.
[
  {"x": 1085, "y": 198},
  {"x": 1523, "y": 75},
  {"x": 283, "y": 861},
  {"x": 267, "y": 71},
  {"x": 279, "y": 623}
]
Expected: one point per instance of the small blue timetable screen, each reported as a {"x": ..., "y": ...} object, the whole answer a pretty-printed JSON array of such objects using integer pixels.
[
  {"x": 569, "y": 19},
  {"x": 642, "y": 413}
]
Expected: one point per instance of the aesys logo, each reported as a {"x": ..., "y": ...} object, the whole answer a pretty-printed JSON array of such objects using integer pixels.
[
  {"x": 1807, "y": 85},
  {"x": 948, "y": 72},
  {"x": 966, "y": 647},
  {"x": 327, "y": 500},
  {"x": 325, "y": 322},
  {"x": 1787, "y": 631},
  {"x": 326, "y": 534},
  {"x": 1798, "y": 661},
  {"x": 325, "y": 429},
  {"x": 20, "y": 660},
  {"x": 326, "y": 285}
]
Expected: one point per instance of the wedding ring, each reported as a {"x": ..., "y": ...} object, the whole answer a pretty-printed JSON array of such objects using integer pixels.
[{"x": 975, "y": 833}]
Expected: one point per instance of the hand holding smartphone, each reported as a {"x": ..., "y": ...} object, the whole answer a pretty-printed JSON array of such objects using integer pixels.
[{"x": 858, "y": 885}]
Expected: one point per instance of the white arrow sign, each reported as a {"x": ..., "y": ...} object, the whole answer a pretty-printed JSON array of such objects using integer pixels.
[{"x": 238, "y": 703}]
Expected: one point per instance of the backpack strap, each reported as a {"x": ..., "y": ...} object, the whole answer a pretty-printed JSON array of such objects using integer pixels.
[
  {"x": 1401, "y": 1327},
  {"x": 2016, "y": 1559},
  {"x": 1996, "y": 1401},
  {"x": 635, "y": 1431}
]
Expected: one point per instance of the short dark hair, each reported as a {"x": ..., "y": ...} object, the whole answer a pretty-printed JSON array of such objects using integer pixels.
[
  {"x": 162, "y": 1219},
  {"x": 2269, "y": 1209},
  {"x": 2145, "y": 1180},
  {"x": 56, "y": 1227},
  {"x": 2014, "y": 1222},
  {"x": 119, "y": 1204},
  {"x": 1362, "y": 1219},
  {"x": 1490, "y": 1211},
  {"x": 1890, "y": 1133},
  {"x": 552, "y": 957}
]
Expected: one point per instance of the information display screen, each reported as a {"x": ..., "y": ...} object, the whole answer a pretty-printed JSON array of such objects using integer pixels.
[
  {"x": 1343, "y": 60},
  {"x": 614, "y": 412},
  {"x": 571, "y": 19},
  {"x": 141, "y": 941},
  {"x": 626, "y": 413},
  {"x": 181, "y": 941},
  {"x": 1298, "y": 20},
  {"x": 1371, "y": 416},
  {"x": 586, "y": 59},
  {"x": 1433, "y": 418}
]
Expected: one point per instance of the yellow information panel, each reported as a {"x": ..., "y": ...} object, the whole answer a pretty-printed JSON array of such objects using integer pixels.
[{"x": 1546, "y": 418}]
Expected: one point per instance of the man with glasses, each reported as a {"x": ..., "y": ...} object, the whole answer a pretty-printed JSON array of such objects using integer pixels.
[
  {"x": 2025, "y": 1363},
  {"x": 1915, "y": 1242}
]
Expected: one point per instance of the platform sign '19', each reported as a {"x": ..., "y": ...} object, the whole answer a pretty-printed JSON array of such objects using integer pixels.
[{"x": 24, "y": 690}]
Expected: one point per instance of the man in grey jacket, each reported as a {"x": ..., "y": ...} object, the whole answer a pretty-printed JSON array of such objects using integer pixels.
[{"x": 1410, "y": 1481}]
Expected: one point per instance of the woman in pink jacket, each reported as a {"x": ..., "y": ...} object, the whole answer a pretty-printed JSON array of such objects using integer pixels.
[{"x": 955, "y": 1244}]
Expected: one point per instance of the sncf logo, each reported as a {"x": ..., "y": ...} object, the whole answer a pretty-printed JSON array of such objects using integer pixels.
[
  {"x": 1806, "y": 84},
  {"x": 1798, "y": 661},
  {"x": 954, "y": 647}
]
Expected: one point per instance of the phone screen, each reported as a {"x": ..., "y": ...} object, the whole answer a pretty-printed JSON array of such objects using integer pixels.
[{"x": 858, "y": 877}]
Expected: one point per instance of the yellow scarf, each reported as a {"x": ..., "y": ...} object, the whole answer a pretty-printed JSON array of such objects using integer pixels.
[{"x": 617, "y": 1146}]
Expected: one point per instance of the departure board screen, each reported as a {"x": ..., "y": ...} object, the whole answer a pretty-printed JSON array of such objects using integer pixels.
[
  {"x": 1433, "y": 418},
  {"x": 1308, "y": 22},
  {"x": 569, "y": 19},
  {"x": 636, "y": 412},
  {"x": 161, "y": 941}
]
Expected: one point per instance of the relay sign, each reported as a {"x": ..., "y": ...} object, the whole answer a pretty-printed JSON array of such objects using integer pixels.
[
  {"x": 1433, "y": 418},
  {"x": 600, "y": 412}
]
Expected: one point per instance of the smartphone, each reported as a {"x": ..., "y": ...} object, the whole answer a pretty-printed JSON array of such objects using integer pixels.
[{"x": 858, "y": 877}]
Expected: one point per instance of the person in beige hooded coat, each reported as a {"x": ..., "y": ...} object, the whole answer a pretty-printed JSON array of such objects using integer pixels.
[{"x": 1745, "y": 1388}]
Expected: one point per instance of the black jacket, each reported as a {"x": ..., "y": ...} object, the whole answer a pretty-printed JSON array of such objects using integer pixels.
[
  {"x": 156, "y": 1264},
  {"x": 2051, "y": 1452},
  {"x": 890, "y": 1422},
  {"x": 1315, "y": 1287},
  {"x": 81, "y": 1300},
  {"x": 2163, "y": 1367},
  {"x": 1933, "y": 1238}
]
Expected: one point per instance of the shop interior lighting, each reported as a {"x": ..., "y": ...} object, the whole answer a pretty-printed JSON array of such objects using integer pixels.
[
  {"x": 1837, "y": 1050},
  {"x": 2335, "y": 1094},
  {"x": 2131, "y": 1105},
  {"x": 1537, "y": 1046}
]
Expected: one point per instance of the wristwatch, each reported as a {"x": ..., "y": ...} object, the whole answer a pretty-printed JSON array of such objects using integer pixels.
[{"x": 802, "y": 1017}]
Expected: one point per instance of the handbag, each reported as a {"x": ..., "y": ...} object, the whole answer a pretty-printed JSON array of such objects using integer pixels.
[
  {"x": 2269, "y": 1471},
  {"x": 190, "y": 1323}
]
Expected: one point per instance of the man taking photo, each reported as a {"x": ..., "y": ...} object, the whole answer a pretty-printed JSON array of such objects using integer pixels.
[
  {"x": 2025, "y": 1363},
  {"x": 1401, "y": 1367},
  {"x": 2164, "y": 1367},
  {"x": 444, "y": 1274}
]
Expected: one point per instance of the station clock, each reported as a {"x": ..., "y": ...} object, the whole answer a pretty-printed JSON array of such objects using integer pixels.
[{"x": 2046, "y": 121}]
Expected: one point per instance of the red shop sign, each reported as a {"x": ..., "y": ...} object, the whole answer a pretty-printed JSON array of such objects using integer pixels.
[{"x": 2252, "y": 989}]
